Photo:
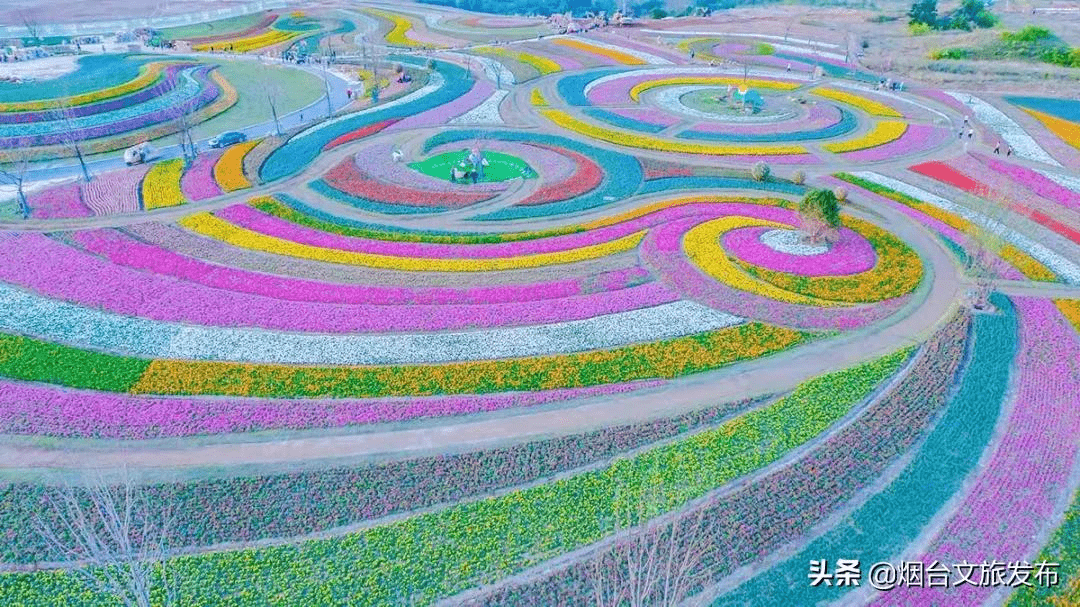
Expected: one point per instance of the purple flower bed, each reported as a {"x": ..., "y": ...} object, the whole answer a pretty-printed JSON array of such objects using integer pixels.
[
  {"x": 58, "y": 202},
  {"x": 197, "y": 182},
  {"x": 1017, "y": 491},
  {"x": 1035, "y": 182},
  {"x": 661, "y": 251},
  {"x": 42, "y": 410},
  {"x": 208, "y": 92},
  {"x": 441, "y": 114},
  {"x": 116, "y": 191},
  {"x": 41, "y": 264},
  {"x": 162, "y": 86},
  {"x": 730, "y": 48},
  {"x": 242, "y": 509},
  {"x": 123, "y": 250},
  {"x": 917, "y": 138},
  {"x": 852, "y": 254}
]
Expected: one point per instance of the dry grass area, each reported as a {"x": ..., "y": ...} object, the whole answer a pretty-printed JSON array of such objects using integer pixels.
[{"x": 13, "y": 12}]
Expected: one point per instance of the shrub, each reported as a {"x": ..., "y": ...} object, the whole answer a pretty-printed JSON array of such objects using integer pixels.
[
  {"x": 799, "y": 177},
  {"x": 760, "y": 171},
  {"x": 841, "y": 194},
  {"x": 919, "y": 29}
]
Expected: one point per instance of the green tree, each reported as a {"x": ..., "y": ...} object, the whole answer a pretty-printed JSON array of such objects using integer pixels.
[
  {"x": 820, "y": 214},
  {"x": 924, "y": 12}
]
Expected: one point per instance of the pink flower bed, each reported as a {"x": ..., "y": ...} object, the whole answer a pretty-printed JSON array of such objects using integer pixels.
[
  {"x": 661, "y": 251},
  {"x": 42, "y": 410},
  {"x": 1034, "y": 181},
  {"x": 58, "y": 202},
  {"x": 625, "y": 41},
  {"x": 850, "y": 255},
  {"x": 41, "y": 264},
  {"x": 123, "y": 250},
  {"x": 917, "y": 138},
  {"x": 796, "y": 159},
  {"x": 198, "y": 183},
  {"x": 440, "y": 115},
  {"x": 115, "y": 191},
  {"x": 1028, "y": 472},
  {"x": 726, "y": 49}
]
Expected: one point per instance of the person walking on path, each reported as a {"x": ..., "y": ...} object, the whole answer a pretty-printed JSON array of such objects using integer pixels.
[
  {"x": 997, "y": 148},
  {"x": 971, "y": 133},
  {"x": 960, "y": 135},
  {"x": 1008, "y": 151}
]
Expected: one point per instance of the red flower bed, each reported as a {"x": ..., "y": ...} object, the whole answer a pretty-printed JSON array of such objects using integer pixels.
[
  {"x": 656, "y": 169},
  {"x": 359, "y": 133},
  {"x": 587, "y": 178},
  {"x": 946, "y": 174},
  {"x": 348, "y": 178}
]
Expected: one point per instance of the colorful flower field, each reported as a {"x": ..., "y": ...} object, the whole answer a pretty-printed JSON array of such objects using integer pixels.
[{"x": 690, "y": 312}]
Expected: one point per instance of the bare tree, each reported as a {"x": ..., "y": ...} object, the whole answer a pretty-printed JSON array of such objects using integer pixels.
[
  {"x": 64, "y": 114},
  {"x": 113, "y": 537},
  {"x": 652, "y": 564},
  {"x": 986, "y": 241},
  {"x": 273, "y": 96},
  {"x": 14, "y": 170},
  {"x": 33, "y": 28}
]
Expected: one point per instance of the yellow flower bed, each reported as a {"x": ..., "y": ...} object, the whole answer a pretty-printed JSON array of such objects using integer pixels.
[
  {"x": 214, "y": 227},
  {"x": 537, "y": 98},
  {"x": 398, "y": 34},
  {"x": 702, "y": 245},
  {"x": 229, "y": 170},
  {"x": 540, "y": 64},
  {"x": 148, "y": 74},
  {"x": 1070, "y": 308},
  {"x": 161, "y": 186},
  {"x": 882, "y": 133},
  {"x": 867, "y": 105},
  {"x": 637, "y": 140},
  {"x": 243, "y": 45},
  {"x": 1069, "y": 132},
  {"x": 617, "y": 56},
  {"x": 661, "y": 359},
  {"x": 640, "y": 88},
  {"x": 897, "y": 272}
]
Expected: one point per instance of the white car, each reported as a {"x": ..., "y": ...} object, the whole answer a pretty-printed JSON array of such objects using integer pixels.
[{"x": 139, "y": 153}]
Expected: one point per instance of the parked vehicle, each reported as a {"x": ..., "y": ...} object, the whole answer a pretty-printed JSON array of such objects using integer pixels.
[
  {"x": 228, "y": 138},
  {"x": 139, "y": 153}
]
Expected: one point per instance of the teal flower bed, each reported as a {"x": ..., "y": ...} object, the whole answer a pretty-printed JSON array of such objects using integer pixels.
[
  {"x": 320, "y": 186},
  {"x": 665, "y": 184},
  {"x": 1066, "y": 109},
  {"x": 95, "y": 72},
  {"x": 950, "y": 452},
  {"x": 572, "y": 88},
  {"x": 624, "y": 122}
]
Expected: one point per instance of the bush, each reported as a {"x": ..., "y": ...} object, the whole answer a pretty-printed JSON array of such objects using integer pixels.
[
  {"x": 919, "y": 29},
  {"x": 760, "y": 171},
  {"x": 798, "y": 178},
  {"x": 841, "y": 194}
]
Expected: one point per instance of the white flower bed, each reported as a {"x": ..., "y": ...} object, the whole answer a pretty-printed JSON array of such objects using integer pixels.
[
  {"x": 790, "y": 243},
  {"x": 1064, "y": 181},
  {"x": 485, "y": 113},
  {"x": 435, "y": 82},
  {"x": 1066, "y": 269},
  {"x": 803, "y": 50},
  {"x": 29, "y": 314},
  {"x": 648, "y": 58},
  {"x": 1023, "y": 144},
  {"x": 670, "y": 99}
]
